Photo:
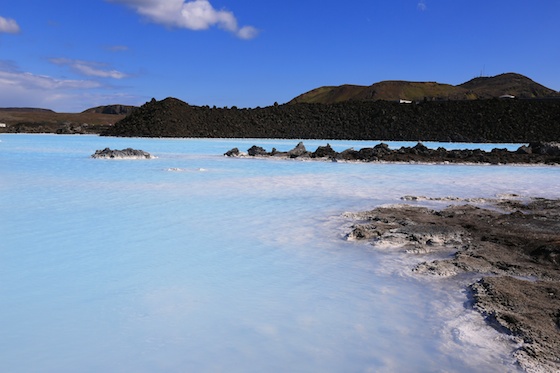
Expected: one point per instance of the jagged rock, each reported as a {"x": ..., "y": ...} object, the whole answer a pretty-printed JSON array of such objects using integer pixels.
[
  {"x": 275, "y": 153},
  {"x": 523, "y": 149},
  {"x": 324, "y": 151},
  {"x": 421, "y": 148},
  {"x": 298, "y": 151},
  {"x": 382, "y": 148},
  {"x": 256, "y": 150},
  {"x": 348, "y": 155},
  {"x": 127, "y": 153},
  {"x": 548, "y": 148},
  {"x": 547, "y": 153},
  {"x": 232, "y": 153}
]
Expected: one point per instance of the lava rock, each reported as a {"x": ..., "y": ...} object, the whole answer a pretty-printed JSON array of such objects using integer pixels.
[
  {"x": 298, "y": 151},
  {"x": 127, "y": 153},
  {"x": 232, "y": 153}
]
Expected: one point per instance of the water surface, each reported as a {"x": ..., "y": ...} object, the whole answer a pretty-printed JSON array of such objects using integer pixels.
[{"x": 197, "y": 262}]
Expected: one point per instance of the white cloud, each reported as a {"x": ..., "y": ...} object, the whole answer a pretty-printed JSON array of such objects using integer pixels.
[
  {"x": 13, "y": 79},
  {"x": 117, "y": 48},
  {"x": 25, "y": 89},
  {"x": 89, "y": 68},
  {"x": 247, "y": 32},
  {"x": 192, "y": 15},
  {"x": 422, "y": 6},
  {"x": 9, "y": 26}
]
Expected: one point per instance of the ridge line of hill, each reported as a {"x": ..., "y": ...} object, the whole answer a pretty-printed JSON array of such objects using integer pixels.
[{"x": 508, "y": 84}]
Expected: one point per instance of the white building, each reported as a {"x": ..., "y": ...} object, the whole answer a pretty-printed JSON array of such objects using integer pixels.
[{"x": 2, "y": 125}]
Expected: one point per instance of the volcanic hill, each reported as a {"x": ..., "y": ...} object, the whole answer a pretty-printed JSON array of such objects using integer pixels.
[
  {"x": 511, "y": 84},
  {"x": 495, "y": 120}
]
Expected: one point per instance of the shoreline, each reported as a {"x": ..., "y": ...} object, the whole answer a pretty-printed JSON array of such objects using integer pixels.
[
  {"x": 403, "y": 163},
  {"x": 511, "y": 248}
]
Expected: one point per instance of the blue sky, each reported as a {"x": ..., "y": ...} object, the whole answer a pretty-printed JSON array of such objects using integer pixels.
[{"x": 70, "y": 55}]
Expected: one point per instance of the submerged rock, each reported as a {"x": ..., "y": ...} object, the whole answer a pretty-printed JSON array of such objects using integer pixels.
[{"x": 127, "y": 153}]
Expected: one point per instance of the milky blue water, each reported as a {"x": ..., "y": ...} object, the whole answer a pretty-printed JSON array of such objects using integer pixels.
[{"x": 194, "y": 262}]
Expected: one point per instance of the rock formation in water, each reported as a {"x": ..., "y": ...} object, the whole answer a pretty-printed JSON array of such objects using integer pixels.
[
  {"x": 127, "y": 153},
  {"x": 538, "y": 152}
]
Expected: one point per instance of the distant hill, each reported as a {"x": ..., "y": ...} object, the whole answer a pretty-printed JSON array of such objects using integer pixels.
[
  {"x": 112, "y": 109},
  {"x": 394, "y": 90},
  {"x": 26, "y": 110},
  {"x": 508, "y": 84},
  {"x": 34, "y": 120}
]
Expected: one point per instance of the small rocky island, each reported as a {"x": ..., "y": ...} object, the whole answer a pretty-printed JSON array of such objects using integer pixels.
[
  {"x": 127, "y": 153},
  {"x": 534, "y": 153},
  {"x": 511, "y": 249}
]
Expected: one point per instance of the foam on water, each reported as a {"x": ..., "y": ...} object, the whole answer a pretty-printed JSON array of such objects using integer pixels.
[{"x": 198, "y": 262}]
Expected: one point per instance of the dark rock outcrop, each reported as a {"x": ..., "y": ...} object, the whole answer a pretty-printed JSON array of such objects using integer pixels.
[
  {"x": 232, "y": 153},
  {"x": 298, "y": 151},
  {"x": 538, "y": 152},
  {"x": 547, "y": 148},
  {"x": 256, "y": 150},
  {"x": 325, "y": 152},
  {"x": 127, "y": 153}
]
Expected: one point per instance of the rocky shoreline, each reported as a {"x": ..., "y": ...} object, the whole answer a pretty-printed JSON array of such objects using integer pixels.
[
  {"x": 534, "y": 153},
  {"x": 511, "y": 247}
]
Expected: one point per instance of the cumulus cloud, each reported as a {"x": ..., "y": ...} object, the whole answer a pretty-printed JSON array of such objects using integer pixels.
[
  {"x": 89, "y": 68},
  {"x": 192, "y": 15},
  {"x": 8, "y": 25}
]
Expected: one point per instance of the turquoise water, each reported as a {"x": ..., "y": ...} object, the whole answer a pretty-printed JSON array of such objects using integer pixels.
[{"x": 197, "y": 262}]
